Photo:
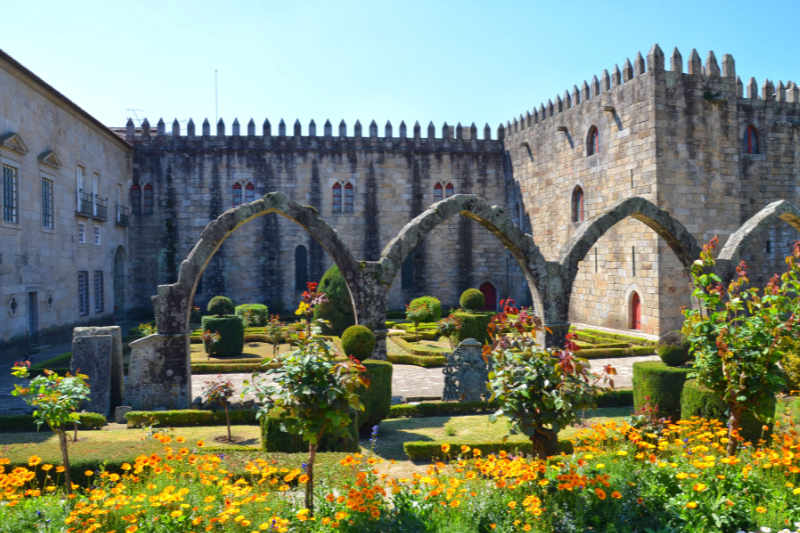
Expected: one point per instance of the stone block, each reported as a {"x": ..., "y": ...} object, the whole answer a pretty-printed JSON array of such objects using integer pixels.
[
  {"x": 91, "y": 355},
  {"x": 159, "y": 374},
  {"x": 116, "y": 356},
  {"x": 119, "y": 413},
  {"x": 466, "y": 373}
]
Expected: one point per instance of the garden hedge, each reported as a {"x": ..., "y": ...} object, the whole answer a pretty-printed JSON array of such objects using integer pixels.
[
  {"x": 472, "y": 300},
  {"x": 59, "y": 364},
  {"x": 473, "y": 325},
  {"x": 597, "y": 336},
  {"x": 434, "y": 305},
  {"x": 658, "y": 385},
  {"x": 601, "y": 353},
  {"x": 273, "y": 439},
  {"x": 231, "y": 331},
  {"x": 697, "y": 400},
  {"x": 229, "y": 368},
  {"x": 189, "y": 417},
  {"x": 338, "y": 310},
  {"x": 377, "y": 397},
  {"x": 425, "y": 361},
  {"x": 418, "y": 349},
  {"x": 430, "y": 450},
  {"x": 358, "y": 341},
  {"x": 25, "y": 422},
  {"x": 253, "y": 314},
  {"x": 220, "y": 305}
]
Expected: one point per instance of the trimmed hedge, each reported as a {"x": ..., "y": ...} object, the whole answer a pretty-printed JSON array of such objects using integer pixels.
[
  {"x": 472, "y": 300},
  {"x": 220, "y": 305},
  {"x": 377, "y": 397},
  {"x": 434, "y": 305},
  {"x": 419, "y": 349},
  {"x": 660, "y": 383},
  {"x": 189, "y": 417},
  {"x": 600, "y": 353},
  {"x": 25, "y": 422},
  {"x": 673, "y": 355},
  {"x": 59, "y": 363},
  {"x": 338, "y": 310},
  {"x": 229, "y": 368},
  {"x": 231, "y": 331},
  {"x": 358, "y": 341},
  {"x": 616, "y": 398},
  {"x": 273, "y": 439},
  {"x": 473, "y": 325},
  {"x": 593, "y": 335},
  {"x": 430, "y": 450},
  {"x": 697, "y": 400},
  {"x": 253, "y": 314},
  {"x": 425, "y": 361}
]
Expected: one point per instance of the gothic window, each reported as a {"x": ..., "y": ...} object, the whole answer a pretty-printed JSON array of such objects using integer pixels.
[
  {"x": 300, "y": 268},
  {"x": 348, "y": 198},
  {"x": 577, "y": 205},
  {"x": 337, "y": 197},
  {"x": 136, "y": 199},
  {"x": 751, "y": 140},
  {"x": 449, "y": 190},
  {"x": 592, "y": 141},
  {"x": 237, "y": 193},
  {"x": 147, "y": 200},
  {"x": 438, "y": 192},
  {"x": 249, "y": 192}
]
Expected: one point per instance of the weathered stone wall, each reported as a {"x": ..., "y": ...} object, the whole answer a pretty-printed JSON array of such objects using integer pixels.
[{"x": 393, "y": 179}]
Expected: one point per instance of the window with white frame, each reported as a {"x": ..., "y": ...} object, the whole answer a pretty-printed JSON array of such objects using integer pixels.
[
  {"x": 10, "y": 195},
  {"x": 48, "y": 209},
  {"x": 83, "y": 292},
  {"x": 97, "y": 235},
  {"x": 82, "y": 232},
  {"x": 98, "y": 291}
]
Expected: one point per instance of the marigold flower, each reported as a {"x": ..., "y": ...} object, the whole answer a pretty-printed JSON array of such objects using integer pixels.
[
  {"x": 34, "y": 460},
  {"x": 691, "y": 505},
  {"x": 600, "y": 493},
  {"x": 616, "y": 495},
  {"x": 761, "y": 510},
  {"x": 445, "y": 448}
]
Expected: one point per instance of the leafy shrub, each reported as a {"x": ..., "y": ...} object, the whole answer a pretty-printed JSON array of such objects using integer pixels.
[
  {"x": 195, "y": 315},
  {"x": 440, "y": 408},
  {"x": 358, "y": 341},
  {"x": 658, "y": 385},
  {"x": 472, "y": 300},
  {"x": 189, "y": 417},
  {"x": 276, "y": 439},
  {"x": 86, "y": 420},
  {"x": 377, "y": 395},
  {"x": 791, "y": 367},
  {"x": 226, "y": 335},
  {"x": 338, "y": 310},
  {"x": 473, "y": 325},
  {"x": 220, "y": 305},
  {"x": 253, "y": 314},
  {"x": 430, "y": 308}
]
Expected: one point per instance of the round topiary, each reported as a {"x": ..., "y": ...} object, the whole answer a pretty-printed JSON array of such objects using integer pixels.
[
  {"x": 358, "y": 341},
  {"x": 673, "y": 348},
  {"x": 253, "y": 315},
  {"x": 432, "y": 305},
  {"x": 220, "y": 305},
  {"x": 338, "y": 310},
  {"x": 472, "y": 300}
]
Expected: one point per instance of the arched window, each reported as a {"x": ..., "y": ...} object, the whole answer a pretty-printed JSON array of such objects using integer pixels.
[
  {"x": 438, "y": 192},
  {"x": 337, "y": 197},
  {"x": 147, "y": 200},
  {"x": 635, "y": 312},
  {"x": 449, "y": 190},
  {"x": 349, "y": 199},
  {"x": 300, "y": 268},
  {"x": 237, "y": 193},
  {"x": 136, "y": 199},
  {"x": 249, "y": 192},
  {"x": 592, "y": 141},
  {"x": 577, "y": 205},
  {"x": 751, "y": 140}
]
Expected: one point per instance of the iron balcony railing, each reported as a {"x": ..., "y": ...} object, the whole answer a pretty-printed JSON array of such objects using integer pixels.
[
  {"x": 84, "y": 206},
  {"x": 100, "y": 208},
  {"x": 123, "y": 214}
]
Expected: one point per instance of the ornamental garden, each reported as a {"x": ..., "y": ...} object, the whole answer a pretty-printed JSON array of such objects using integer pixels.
[{"x": 706, "y": 440}]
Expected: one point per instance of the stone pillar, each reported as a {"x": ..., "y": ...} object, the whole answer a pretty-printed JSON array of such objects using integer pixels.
[
  {"x": 91, "y": 355},
  {"x": 466, "y": 373},
  {"x": 159, "y": 374},
  {"x": 369, "y": 297},
  {"x": 116, "y": 370}
]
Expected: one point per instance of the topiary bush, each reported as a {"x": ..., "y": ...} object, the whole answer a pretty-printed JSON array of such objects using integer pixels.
[
  {"x": 225, "y": 335},
  {"x": 253, "y": 315},
  {"x": 377, "y": 397},
  {"x": 338, "y": 310},
  {"x": 673, "y": 348},
  {"x": 358, "y": 341},
  {"x": 697, "y": 400},
  {"x": 430, "y": 307},
  {"x": 473, "y": 325},
  {"x": 220, "y": 305},
  {"x": 658, "y": 385},
  {"x": 472, "y": 300}
]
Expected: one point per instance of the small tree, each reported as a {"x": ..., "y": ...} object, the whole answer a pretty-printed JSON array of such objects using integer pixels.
[
  {"x": 56, "y": 400},
  {"x": 738, "y": 336},
  {"x": 418, "y": 311},
  {"x": 539, "y": 390},
  {"x": 219, "y": 391},
  {"x": 274, "y": 331}
]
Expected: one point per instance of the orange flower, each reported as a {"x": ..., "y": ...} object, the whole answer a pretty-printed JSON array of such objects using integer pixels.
[
  {"x": 445, "y": 448},
  {"x": 691, "y": 505},
  {"x": 616, "y": 495},
  {"x": 600, "y": 493}
]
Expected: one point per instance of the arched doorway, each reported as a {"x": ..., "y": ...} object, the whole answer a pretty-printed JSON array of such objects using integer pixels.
[
  {"x": 119, "y": 283},
  {"x": 635, "y": 311},
  {"x": 490, "y": 295}
]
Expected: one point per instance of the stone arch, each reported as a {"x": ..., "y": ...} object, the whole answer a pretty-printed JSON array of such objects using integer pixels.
[
  {"x": 172, "y": 309},
  {"x": 493, "y": 218},
  {"x": 730, "y": 252}
]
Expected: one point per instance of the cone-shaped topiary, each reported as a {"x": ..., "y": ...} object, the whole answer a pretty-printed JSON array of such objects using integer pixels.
[
  {"x": 358, "y": 341},
  {"x": 472, "y": 300},
  {"x": 338, "y": 310},
  {"x": 220, "y": 305}
]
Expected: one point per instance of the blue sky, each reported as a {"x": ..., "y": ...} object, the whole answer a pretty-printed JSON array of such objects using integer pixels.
[{"x": 441, "y": 61}]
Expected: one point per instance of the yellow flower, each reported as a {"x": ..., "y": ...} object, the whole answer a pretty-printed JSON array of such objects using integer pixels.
[
  {"x": 132, "y": 528},
  {"x": 303, "y": 479},
  {"x": 88, "y": 473},
  {"x": 302, "y": 515},
  {"x": 34, "y": 460},
  {"x": 47, "y": 467},
  {"x": 691, "y": 505},
  {"x": 512, "y": 504},
  {"x": 699, "y": 487},
  {"x": 681, "y": 475},
  {"x": 445, "y": 448},
  {"x": 761, "y": 510}
]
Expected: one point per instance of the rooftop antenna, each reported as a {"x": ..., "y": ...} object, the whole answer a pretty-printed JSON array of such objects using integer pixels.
[
  {"x": 133, "y": 111},
  {"x": 216, "y": 98}
]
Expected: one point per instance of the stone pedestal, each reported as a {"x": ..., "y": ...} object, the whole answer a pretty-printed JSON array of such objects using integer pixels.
[
  {"x": 116, "y": 356},
  {"x": 159, "y": 374},
  {"x": 466, "y": 373},
  {"x": 91, "y": 355}
]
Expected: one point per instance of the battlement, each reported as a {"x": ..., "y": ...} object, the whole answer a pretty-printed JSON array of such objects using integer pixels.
[
  {"x": 782, "y": 93},
  {"x": 458, "y": 138}
]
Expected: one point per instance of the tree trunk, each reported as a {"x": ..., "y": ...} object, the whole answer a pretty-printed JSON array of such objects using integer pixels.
[
  {"x": 544, "y": 442},
  {"x": 734, "y": 423},
  {"x": 62, "y": 441},
  {"x": 75, "y": 433},
  {"x": 227, "y": 420},
  {"x": 312, "y": 454}
]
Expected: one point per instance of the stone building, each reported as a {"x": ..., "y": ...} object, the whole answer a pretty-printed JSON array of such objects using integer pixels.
[{"x": 63, "y": 231}]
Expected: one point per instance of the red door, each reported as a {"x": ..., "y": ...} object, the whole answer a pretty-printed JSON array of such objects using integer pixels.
[
  {"x": 636, "y": 311},
  {"x": 490, "y": 295}
]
